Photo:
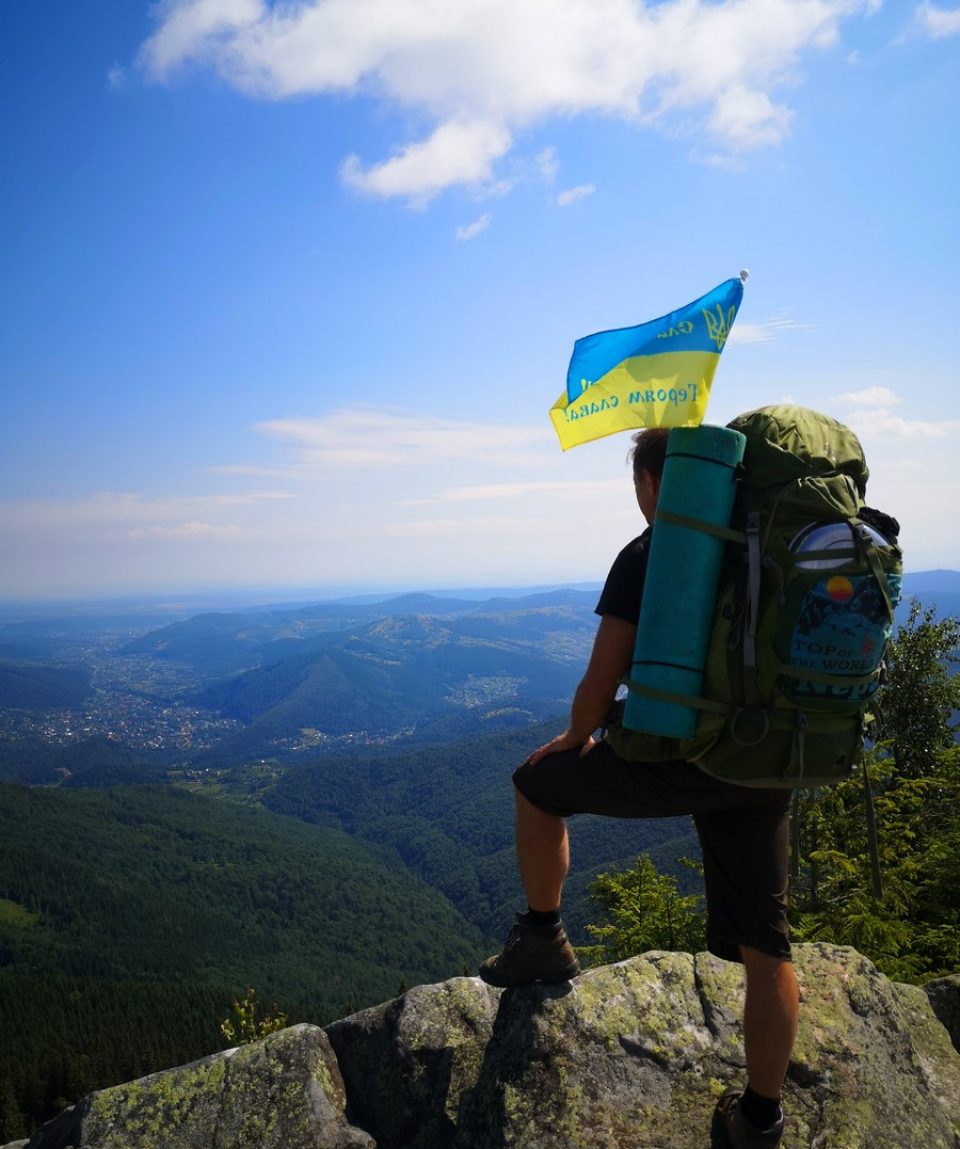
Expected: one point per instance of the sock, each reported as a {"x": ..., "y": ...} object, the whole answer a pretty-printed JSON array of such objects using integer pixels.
[
  {"x": 760, "y": 1111},
  {"x": 543, "y": 917}
]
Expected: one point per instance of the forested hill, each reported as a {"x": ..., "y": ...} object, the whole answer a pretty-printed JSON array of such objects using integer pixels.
[
  {"x": 129, "y": 919},
  {"x": 408, "y": 677},
  {"x": 380, "y": 855},
  {"x": 26, "y": 686},
  {"x": 224, "y": 689},
  {"x": 448, "y": 811},
  {"x": 141, "y": 911},
  {"x": 220, "y": 644},
  {"x": 161, "y": 884}
]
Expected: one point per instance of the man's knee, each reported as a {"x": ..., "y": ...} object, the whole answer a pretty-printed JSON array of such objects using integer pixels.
[
  {"x": 530, "y": 813},
  {"x": 759, "y": 957},
  {"x": 763, "y": 963}
]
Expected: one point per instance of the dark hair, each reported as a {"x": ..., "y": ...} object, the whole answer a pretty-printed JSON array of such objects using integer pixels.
[{"x": 649, "y": 451}]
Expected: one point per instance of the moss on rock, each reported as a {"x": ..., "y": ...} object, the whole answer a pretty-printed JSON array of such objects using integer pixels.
[
  {"x": 282, "y": 1092},
  {"x": 632, "y": 1054}
]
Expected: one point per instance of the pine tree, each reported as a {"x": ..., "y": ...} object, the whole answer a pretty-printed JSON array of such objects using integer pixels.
[{"x": 642, "y": 910}]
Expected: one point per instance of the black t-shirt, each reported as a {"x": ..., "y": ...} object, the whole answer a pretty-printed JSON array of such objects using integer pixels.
[{"x": 623, "y": 589}]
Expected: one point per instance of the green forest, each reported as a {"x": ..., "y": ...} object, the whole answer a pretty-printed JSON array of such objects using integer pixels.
[{"x": 130, "y": 918}]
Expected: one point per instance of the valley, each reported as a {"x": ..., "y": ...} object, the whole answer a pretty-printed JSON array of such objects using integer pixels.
[{"x": 311, "y": 800}]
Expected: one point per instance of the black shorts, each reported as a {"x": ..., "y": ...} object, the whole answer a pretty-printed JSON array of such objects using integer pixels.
[{"x": 744, "y": 832}]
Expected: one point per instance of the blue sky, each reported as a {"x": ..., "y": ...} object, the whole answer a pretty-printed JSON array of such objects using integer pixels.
[{"x": 288, "y": 290}]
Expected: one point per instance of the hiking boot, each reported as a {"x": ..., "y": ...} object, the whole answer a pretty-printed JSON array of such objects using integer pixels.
[
  {"x": 532, "y": 953},
  {"x": 731, "y": 1130}
]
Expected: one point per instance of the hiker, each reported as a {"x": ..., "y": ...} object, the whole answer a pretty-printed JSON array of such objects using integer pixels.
[{"x": 744, "y": 833}]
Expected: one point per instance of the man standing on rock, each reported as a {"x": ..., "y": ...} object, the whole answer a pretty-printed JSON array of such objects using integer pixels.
[{"x": 744, "y": 832}]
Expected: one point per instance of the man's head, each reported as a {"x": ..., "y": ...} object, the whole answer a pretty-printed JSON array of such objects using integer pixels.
[{"x": 648, "y": 455}]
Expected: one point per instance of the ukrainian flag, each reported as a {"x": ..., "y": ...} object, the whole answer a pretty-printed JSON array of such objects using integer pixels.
[{"x": 654, "y": 375}]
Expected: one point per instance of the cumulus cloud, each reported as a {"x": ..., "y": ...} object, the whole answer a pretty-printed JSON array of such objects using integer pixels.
[
  {"x": 477, "y": 71},
  {"x": 938, "y": 22},
  {"x": 870, "y": 415},
  {"x": 456, "y": 153},
  {"x": 882, "y": 422},
  {"x": 472, "y": 230},
  {"x": 571, "y": 195}
]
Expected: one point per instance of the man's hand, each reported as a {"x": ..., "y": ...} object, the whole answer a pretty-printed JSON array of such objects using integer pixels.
[
  {"x": 565, "y": 741},
  {"x": 610, "y": 659}
]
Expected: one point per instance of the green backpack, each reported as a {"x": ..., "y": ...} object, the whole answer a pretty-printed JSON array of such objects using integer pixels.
[{"x": 803, "y": 614}]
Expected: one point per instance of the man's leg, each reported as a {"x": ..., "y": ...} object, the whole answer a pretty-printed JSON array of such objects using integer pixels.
[
  {"x": 745, "y": 855},
  {"x": 543, "y": 855},
  {"x": 769, "y": 1019},
  {"x": 537, "y": 949}
]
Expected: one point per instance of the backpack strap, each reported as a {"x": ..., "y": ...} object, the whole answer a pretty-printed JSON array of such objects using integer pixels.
[
  {"x": 796, "y": 763},
  {"x": 751, "y": 684},
  {"x": 677, "y": 699},
  {"x": 694, "y": 524},
  {"x": 869, "y": 548}
]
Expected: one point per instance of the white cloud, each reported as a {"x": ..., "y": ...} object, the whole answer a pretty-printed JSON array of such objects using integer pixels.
[
  {"x": 370, "y": 441},
  {"x": 514, "y": 490},
  {"x": 765, "y": 332},
  {"x": 938, "y": 22},
  {"x": 190, "y": 531},
  {"x": 870, "y": 397},
  {"x": 748, "y": 119},
  {"x": 472, "y": 230},
  {"x": 881, "y": 422},
  {"x": 477, "y": 71},
  {"x": 547, "y": 164},
  {"x": 456, "y": 153},
  {"x": 196, "y": 30},
  {"x": 571, "y": 195},
  {"x": 490, "y": 526},
  {"x": 870, "y": 415},
  {"x": 117, "y": 510}
]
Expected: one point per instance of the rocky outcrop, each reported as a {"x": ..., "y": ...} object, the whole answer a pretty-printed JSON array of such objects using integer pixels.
[
  {"x": 629, "y": 1056},
  {"x": 284, "y": 1091}
]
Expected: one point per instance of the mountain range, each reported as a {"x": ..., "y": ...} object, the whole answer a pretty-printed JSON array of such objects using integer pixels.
[{"x": 348, "y": 831}]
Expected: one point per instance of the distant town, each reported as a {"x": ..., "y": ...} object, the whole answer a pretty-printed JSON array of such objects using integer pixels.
[{"x": 133, "y": 702}]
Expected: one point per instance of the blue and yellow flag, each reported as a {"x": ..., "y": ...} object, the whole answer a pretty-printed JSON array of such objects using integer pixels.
[{"x": 654, "y": 375}]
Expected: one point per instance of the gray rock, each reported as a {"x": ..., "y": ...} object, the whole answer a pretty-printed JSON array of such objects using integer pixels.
[
  {"x": 283, "y": 1091},
  {"x": 634, "y": 1055},
  {"x": 629, "y": 1056},
  {"x": 944, "y": 995}
]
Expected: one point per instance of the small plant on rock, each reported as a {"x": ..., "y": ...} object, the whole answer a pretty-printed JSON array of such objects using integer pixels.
[{"x": 245, "y": 1025}]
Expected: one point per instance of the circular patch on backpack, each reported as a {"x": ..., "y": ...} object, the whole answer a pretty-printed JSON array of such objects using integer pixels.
[{"x": 840, "y": 589}]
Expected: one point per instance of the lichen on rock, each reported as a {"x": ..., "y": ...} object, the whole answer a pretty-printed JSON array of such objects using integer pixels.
[
  {"x": 281, "y": 1092},
  {"x": 626, "y": 1056}
]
